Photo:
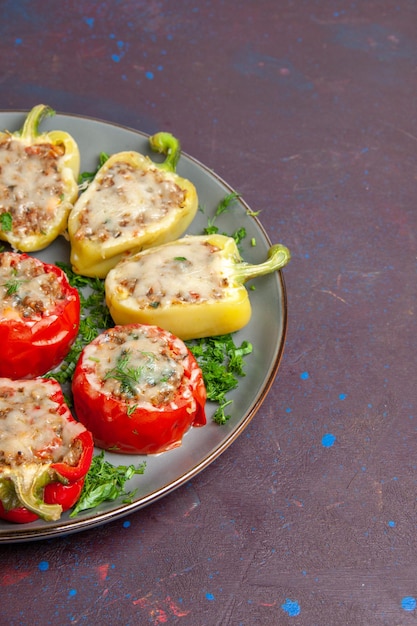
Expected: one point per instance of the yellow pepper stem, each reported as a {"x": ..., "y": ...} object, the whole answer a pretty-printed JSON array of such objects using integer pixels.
[
  {"x": 278, "y": 257},
  {"x": 28, "y": 481},
  {"x": 167, "y": 144},
  {"x": 29, "y": 130}
]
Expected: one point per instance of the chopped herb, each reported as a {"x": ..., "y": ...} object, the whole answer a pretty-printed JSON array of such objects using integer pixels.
[
  {"x": 127, "y": 376},
  {"x": 239, "y": 235},
  {"x": 85, "y": 178},
  {"x": 180, "y": 258},
  {"x": 105, "y": 482},
  {"x": 95, "y": 317},
  {"x": 222, "y": 207},
  {"x": 221, "y": 363},
  {"x": 6, "y": 222},
  {"x": 12, "y": 286},
  {"x": 253, "y": 242}
]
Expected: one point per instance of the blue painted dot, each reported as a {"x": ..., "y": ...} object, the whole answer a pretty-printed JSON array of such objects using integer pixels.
[
  {"x": 89, "y": 21},
  {"x": 126, "y": 524},
  {"x": 408, "y": 603},
  {"x": 72, "y": 592},
  {"x": 342, "y": 396},
  {"x": 209, "y": 596},
  {"x": 328, "y": 440},
  {"x": 291, "y": 607},
  {"x": 18, "y": 41},
  {"x": 288, "y": 410},
  {"x": 149, "y": 75},
  {"x": 43, "y": 566},
  {"x": 391, "y": 523},
  {"x": 304, "y": 375},
  {"x": 116, "y": 57}
]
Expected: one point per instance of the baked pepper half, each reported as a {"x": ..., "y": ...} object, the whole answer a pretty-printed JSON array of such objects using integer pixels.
[
  {"x": 39, "y": 315},
  {"x": 44, "y": 453},
  {"x": 193, "y": 287},
  {"x": 38, "y": 182},
  {"x": 131, "y": 204}
]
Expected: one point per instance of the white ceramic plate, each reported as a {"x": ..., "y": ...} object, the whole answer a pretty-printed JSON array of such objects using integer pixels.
[{"x": 266, "y": 331}]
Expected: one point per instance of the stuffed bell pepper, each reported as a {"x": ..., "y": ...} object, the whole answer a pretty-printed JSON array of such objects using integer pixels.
[
  {"x": 193, "y": 287},
  {"x": 39, "y": 315},
  {"x": 132, "y": 204},
  {"x": 138, "y": 389},
  {"x": 44, "y": 453},
  {"x": 38, "y": 183}
]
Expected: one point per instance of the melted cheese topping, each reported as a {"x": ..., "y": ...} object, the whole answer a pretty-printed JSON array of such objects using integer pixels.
[
  {"x": 189, "y": 271},
  {"x": 27, "y": 292},
  {"x": 141, "y": 366},
  {"x": 126, "y": 200},
  {"x": 31, "y": 185},
  {"x": 32, "y": 430}
]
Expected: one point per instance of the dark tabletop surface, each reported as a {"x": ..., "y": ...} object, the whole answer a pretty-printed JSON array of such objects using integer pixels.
[{"x": 308, "y": 109}]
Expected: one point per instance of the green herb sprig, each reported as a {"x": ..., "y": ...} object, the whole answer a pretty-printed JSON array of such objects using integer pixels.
[
  {"x": 127, "y": 376},
  {"x": 95, "y": 317},
  {"x": 222, "y": 364},
  {"x": 85, "y": 178},
  {"x": 6, "y": 222},
  {"x": 105, "y": 482}
]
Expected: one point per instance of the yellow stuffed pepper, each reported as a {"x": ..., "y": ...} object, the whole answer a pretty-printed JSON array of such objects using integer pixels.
[
  {"x": 193, "y": 287},
  {"x": 132, "y": 204},
  {"x": 38, "y": 182}
]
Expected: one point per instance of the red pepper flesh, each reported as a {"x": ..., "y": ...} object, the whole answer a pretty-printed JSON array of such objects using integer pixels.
[{"x": 38, "y": 323}]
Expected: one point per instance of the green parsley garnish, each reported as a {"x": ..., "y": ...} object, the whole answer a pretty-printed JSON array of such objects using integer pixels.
[
  {"x": 105, "y": 482},
  {"x": 95, "y": 317},
  {"x": 222, "y": 363},
  {"x": 6, "y": 222},
  {"x": 127, "y": 376},
  {"x": 222, "y": 207},
  {"x": 12, "y": 286},
  {"x": 85, "y": 178}
]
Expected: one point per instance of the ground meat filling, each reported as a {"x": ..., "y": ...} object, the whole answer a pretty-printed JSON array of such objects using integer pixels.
[
  {"x": 31, "y": 186},
  {"x": 142, "y": 197},
  {"x": 137, "y": 366},
  {"x": 32, "y": 429},
  {"x": 26, "y": 290}
]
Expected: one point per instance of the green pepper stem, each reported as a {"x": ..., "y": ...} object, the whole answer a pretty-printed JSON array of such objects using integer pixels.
[
  {"x": 167, "y": 144},
  {"x": 30, "y": 127},
  {"x": 29, "y": 481},
  {"x": 278, "y": 256}
]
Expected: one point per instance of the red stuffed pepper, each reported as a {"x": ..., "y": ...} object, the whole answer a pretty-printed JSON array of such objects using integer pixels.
[
  {"x": 39, "y": 316},
  {"x": 44, "y": 453},
  {"x": 138, "y": 389}
]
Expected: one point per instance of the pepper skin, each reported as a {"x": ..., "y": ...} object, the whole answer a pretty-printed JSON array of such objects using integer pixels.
[
  {"x": 132, "y": 204},
  {"x": 38, "y": 183},
  {"x": 44, "y": 453},
  {"x": 39, "y": 315},
  {"x": 193, "y": 287},
  {"x": 138, "y": 389}
]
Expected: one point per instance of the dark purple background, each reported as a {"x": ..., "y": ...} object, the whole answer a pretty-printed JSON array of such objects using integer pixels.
[{"x": 308, "y": 109}]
